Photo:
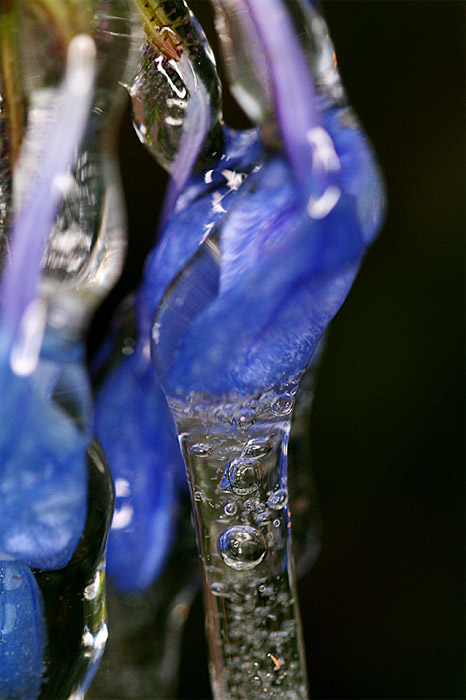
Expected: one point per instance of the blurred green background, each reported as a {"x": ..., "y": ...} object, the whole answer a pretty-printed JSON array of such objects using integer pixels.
[{"x": 383, "y": 607}]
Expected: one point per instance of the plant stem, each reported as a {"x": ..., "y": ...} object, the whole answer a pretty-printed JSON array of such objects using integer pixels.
[
  {"x": 10, "y": 84},
  {"x": 160, "y": 23},
  {"x": 65, "y": 18}
]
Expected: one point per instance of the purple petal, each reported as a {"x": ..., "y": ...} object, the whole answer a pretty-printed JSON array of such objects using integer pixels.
[
  {"x": 33, "y": 224},
  {"x": 196, "y": 125},
  {"x": 293, "y": 89}
]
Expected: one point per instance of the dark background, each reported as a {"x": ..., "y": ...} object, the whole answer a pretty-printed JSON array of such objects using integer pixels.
[{"x": 383, "y": 607}]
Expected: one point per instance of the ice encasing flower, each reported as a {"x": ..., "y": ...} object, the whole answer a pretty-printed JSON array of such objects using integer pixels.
[
  {"x": 43, "y": 475},
  {"x": 61, "y": 247},
  {"x": 248, "y": 310},
  {"x": 135, "y": 428},
  {"x": 251, "y": 283},
  {"x": 42, "y": 470},
  {"x": 175, "y": 94},
  {"x": 63, "y": 195}
]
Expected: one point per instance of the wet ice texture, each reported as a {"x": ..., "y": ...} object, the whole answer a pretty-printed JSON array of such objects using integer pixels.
[{"x": 235, "y": 455}]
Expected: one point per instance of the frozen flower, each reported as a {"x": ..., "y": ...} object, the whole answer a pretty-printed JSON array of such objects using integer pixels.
[
  {"x": 43, "y": 482},
  {"x": 244, "y": 311}
]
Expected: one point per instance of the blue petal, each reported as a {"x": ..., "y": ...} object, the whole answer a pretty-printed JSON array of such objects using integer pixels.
[
  {"x": 22, "y": 633},
  {"x": 280, "y": 272},
  {"x": 135, "y": 428},
  {"x": 199, "y": 210},
  {"x": 43, "y": 474}
]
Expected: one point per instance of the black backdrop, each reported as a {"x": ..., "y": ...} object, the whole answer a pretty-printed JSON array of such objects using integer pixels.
[{"x": 383, "y": 606}]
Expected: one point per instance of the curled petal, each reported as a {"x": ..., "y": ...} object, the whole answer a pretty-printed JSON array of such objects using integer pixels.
[{"x": 20, "y": 280}]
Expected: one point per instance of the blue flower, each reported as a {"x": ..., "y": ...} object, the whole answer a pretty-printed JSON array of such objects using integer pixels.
[
  {"x": 136, "y": 431},
  {"x": 43, "y": 475},
  {"x": 43, "y": 472},
  {"x": 131, "y": 417},
  {"x": 246, "y": 304}
]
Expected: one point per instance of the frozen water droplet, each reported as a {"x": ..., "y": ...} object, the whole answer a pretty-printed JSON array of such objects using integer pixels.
[
  {"x": 283, "y": 404},
  {"x": 200, "y": 450},
  {"x": 258, "y": 447},
  {"x": 230, "y": 509},
  {"x": 278, "y": 499},
  {"x": 244, "y": 475},
  {"x": 242, "y": 547}
]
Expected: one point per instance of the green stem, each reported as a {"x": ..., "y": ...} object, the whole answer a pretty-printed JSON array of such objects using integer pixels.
[
  {"x": 10, "y": 81},
  {"x": 65, "y": 18},
  {"x": 160, "y": 27}
]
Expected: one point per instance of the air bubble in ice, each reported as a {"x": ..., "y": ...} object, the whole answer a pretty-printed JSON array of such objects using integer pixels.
[
  {"x": 200, "y": 450},
  {"x": 244, "y": 475},
  {"x": 278, "y": 499},
  {"x": 218, "y": 589},
  {"x": 242, "y": 547},
  {"x": 244, "y": 418},
  {"x": 258, "y": 447},
  {"x": 283, "y": 404},
  {"x": 230, "y": 508}
]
